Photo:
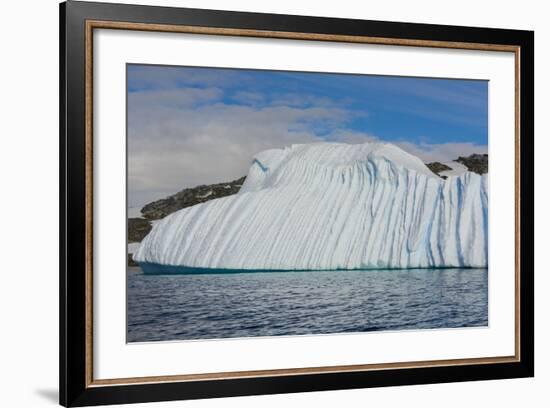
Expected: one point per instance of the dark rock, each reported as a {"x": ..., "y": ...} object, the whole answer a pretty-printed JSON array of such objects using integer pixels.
[
  {"x": 138, "y": 228},
  {"x": 131, "y": 262},
  {"x": 437, "y": 168},
  {"x": 189, "y": 197},
  {"x": 477, "y": 163}
]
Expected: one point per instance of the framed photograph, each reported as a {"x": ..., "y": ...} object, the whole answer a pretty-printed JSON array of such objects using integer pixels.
[{"x": 256, "y": 204}]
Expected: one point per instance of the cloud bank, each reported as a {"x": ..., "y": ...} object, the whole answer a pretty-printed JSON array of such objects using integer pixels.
[{"x": 181, "y": 134}]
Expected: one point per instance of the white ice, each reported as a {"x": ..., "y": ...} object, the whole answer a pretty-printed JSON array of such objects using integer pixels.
[
  {"x": 457, "y": 169},
  {"x": 328, "y": 206}
]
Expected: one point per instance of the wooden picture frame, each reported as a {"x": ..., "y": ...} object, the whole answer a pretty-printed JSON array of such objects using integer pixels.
[{"x": 78, "y": 20}]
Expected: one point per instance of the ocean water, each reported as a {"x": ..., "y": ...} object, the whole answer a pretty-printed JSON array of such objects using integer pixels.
[{"x": 212, "y": 306}]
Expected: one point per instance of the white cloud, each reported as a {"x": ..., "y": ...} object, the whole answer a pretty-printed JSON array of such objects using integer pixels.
[
  {"x": 172, "y": 146},
  {"x": 186, "y": 137}
]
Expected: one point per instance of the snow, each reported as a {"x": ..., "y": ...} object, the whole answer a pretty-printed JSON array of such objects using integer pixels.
[
  {"x": 134, "y": 212},
  {"x": 329, "y": 206},
  {"x": 133, "y": 247},
  {"x": 207, "y": 194},
  {"x": 457, "y": 169}
]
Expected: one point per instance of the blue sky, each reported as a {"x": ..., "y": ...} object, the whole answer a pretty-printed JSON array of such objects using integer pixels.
[{"x": 181, "y": 118}]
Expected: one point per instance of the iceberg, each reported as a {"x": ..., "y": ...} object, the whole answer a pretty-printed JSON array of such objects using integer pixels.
[{"x": 330, "y": 206}]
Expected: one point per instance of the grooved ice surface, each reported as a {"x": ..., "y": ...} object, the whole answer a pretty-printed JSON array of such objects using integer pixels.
[{"x": 329, "y": 206}]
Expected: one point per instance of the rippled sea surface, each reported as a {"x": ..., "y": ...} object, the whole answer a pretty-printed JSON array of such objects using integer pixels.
[{"x": 182, "y": 307}]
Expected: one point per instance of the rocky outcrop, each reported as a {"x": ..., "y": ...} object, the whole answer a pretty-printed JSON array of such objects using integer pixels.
[
  {"x": 437, "y": 167},
  {"x": 131, "y": 262},
  {"x": 138, "y": 228},
  {"x": 476, "y": 163},
  {"x": 190, "y": 197}
]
